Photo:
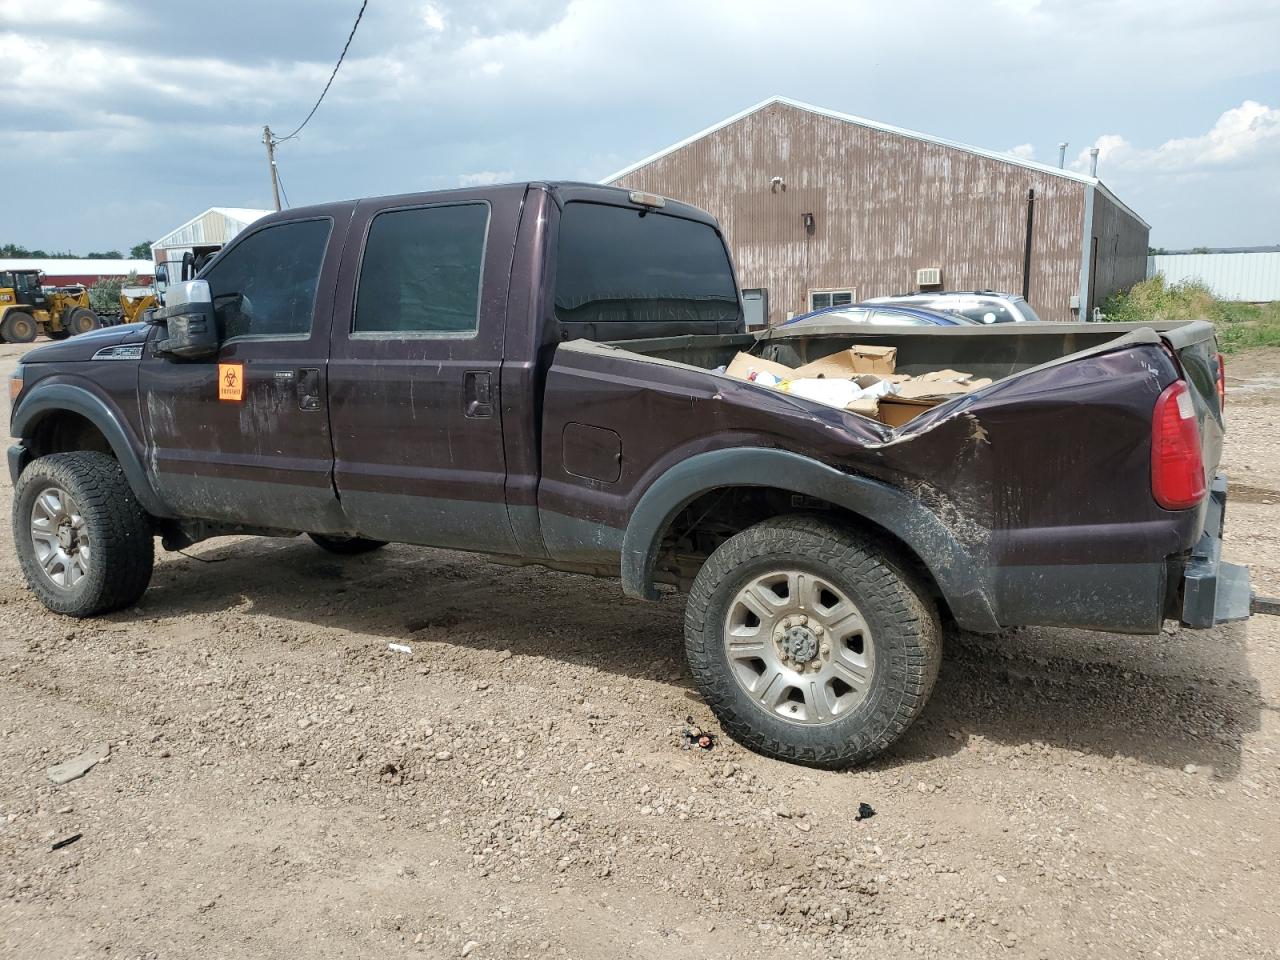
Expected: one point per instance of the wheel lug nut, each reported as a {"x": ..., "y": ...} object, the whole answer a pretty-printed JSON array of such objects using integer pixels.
[{"x": 826, "y": 649}]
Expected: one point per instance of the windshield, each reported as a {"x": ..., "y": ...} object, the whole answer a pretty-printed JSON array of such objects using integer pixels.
[
  {"x": 1027, "y": 312},
  {"x": 617, "y": 265},
  {"x": 26, "y": 282}
]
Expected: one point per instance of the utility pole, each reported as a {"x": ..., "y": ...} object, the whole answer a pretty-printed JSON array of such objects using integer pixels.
[{"x": 271, "y": 161}]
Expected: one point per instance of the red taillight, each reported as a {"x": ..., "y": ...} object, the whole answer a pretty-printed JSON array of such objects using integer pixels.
[
  {"x": 1177, "y": 468},
  {"x": 1222, "y": 382}
]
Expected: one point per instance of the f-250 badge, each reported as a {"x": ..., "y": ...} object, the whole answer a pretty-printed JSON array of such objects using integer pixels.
[{"x": 230, "y": 381}]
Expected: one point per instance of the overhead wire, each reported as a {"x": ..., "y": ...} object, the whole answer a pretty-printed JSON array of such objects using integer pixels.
[
  {"x": 283, "y": 191},
  {"x": 341, "y": 56}
]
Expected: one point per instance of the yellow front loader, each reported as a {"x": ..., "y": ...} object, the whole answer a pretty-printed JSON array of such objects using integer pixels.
[{"x": 26, "y": 309}]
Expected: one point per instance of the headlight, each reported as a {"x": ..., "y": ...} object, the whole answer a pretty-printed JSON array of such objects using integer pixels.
[{"x": 15, "y": 383}]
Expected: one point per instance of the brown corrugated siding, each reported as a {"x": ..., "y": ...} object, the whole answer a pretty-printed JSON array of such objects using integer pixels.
[
  {"x": 884, "y": 205},
  {"x": 1122, "y": 249}
]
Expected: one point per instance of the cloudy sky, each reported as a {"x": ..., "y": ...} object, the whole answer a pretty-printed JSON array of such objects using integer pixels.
[{"x": 124, "y": 118}]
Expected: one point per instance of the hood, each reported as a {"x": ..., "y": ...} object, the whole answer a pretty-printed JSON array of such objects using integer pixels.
[{"x": 86, "y": 345}]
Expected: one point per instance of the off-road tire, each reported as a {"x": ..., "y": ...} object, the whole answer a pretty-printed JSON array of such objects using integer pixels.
[
  {"x": 902, "y": 620},
  {"x": 18, "y": 326},
  {"x": 123, "y": 546},
  {"x": 349, "y": 546},
  {"x": 81, "y": 320}
]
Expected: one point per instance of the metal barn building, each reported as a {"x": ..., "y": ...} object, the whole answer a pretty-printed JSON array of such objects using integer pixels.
[
  {"x": 204, "y": 233},
  {"x": 821, "y": 207}
]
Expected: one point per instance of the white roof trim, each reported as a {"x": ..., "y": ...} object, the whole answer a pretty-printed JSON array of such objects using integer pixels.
[{"x": 886, "y": 128}]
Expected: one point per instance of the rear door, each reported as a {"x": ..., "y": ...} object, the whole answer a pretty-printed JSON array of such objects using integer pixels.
[
  {"x": 414, "y": 377},
  {"x": 243, "y": 437}
]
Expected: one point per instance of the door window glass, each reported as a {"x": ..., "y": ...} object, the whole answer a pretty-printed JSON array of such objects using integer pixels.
[
  {"x": 421, "y": 271},
  {"x": 265, "y": 286}
]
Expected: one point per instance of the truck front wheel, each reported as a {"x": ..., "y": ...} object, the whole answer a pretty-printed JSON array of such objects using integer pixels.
[
  {"x": 810, "y": 643},
  {"x": 84, "y": 542}
]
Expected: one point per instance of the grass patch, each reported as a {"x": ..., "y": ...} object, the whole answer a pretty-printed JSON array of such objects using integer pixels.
[{"x": 1239, "y": 325}]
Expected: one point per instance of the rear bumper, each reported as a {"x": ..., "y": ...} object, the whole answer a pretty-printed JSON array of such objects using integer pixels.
[{"x": 1214, "y": 591}]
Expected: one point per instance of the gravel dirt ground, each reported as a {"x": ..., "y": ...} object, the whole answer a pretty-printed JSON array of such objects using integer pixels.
[{"x": 279, "y": 784}]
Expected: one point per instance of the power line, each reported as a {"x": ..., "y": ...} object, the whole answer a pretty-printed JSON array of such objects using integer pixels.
[
  {"x": 280, "y": 180},
  {"x": 351, "y": 35}
]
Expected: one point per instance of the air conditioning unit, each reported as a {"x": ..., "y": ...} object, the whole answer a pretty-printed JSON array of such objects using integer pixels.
[{"x": 929, "y": 277}]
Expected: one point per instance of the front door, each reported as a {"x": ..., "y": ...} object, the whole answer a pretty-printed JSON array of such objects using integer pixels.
[
  {"x": 244, "y": 437},
  {"x": 415, "y": 367}
]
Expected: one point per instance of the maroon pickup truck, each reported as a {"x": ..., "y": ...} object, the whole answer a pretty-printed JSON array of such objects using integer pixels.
[{"x": 534, "y": 372}]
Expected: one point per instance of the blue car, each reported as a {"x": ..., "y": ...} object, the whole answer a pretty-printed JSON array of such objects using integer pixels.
[{"x": 887, "y": 314}]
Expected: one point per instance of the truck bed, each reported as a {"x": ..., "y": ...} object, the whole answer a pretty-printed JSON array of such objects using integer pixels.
[{"x": 1040, "y": 480}]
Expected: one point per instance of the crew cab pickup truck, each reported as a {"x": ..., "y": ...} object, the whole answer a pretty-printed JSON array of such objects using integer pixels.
[{"x": 532, "y": 372}]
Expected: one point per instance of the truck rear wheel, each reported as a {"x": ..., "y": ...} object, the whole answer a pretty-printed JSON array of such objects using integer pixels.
[
  {"x": 810, "y": 643},
  {"x": 345, "y": 545},
  {"x": 84, "y": 542},
  {"x": 18, "y": 326},
  {"x": 81, "y": 320}
]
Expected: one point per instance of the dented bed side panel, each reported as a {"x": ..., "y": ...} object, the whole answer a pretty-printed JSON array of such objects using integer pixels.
[{"x": 1038, "y": 478}]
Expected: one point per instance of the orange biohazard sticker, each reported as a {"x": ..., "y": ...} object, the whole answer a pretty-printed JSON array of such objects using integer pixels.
[{"x": 230, "y": 381}]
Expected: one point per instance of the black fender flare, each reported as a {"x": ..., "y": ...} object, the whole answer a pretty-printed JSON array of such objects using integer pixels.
[
  {"x": 49, "y": 399},
  {"x": 959, "y": 574}
]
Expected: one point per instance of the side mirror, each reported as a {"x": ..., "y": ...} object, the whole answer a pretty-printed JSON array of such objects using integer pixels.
[
  {"x": 161, "y": 279},
  {"x": 189, "y": 321}
]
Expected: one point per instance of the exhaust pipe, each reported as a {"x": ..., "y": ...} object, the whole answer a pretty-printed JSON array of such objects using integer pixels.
[
  {"x": 1093, "y": 161},
  {"x": 1062, "y": 154}
]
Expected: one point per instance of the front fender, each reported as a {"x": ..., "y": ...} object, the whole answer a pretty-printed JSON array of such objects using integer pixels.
[
  {"x": 45, "y": 400},
  {"x": 960, "y": 575}
]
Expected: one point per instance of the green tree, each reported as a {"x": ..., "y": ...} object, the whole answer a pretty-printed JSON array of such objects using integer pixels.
[
  {"x": 140, "y": 251},
  {"x": 109, "y": 255},
  {"x": 104, "y": 296}
]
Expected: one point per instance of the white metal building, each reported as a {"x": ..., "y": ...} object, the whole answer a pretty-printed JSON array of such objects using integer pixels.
[
  {"x": 1250, "y": 277},
  {"x": 204, "y": 233}
]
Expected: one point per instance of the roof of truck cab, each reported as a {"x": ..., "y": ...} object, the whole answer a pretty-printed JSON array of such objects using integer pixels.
[{"x": 564, "y": 191}]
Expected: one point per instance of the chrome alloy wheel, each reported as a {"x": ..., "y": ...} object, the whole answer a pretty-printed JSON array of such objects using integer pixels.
[
  {"x": 60, "y": 538},
  {"x": 799, "y": 647}
]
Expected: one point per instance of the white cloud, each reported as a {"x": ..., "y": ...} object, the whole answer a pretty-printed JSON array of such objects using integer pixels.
[
  {"x": 1243, "y": 135},
  {"x": 1023, "y": 151},
  {"x": 432, "y": 18},
  {"x": 25, "y": 13},
  {"x": 483, "y": 178}
]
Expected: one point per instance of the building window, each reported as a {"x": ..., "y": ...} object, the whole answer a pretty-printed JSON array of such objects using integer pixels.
[{"x": 818, "y": 299}]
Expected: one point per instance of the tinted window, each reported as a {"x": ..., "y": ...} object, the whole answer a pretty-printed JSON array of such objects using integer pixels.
[
  {"x": 617, "y": 265},
  {"x": 421, "y": 271},
  {"x": 266, "y": 284},
  {"x": 983, "y": 311}
]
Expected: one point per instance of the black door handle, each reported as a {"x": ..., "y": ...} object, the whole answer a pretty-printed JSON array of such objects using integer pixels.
[
  {"x": 477, "y": 394},
  {"x": 309, "y": 389}
]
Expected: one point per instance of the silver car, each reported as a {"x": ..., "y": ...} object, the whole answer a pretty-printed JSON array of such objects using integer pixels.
[{"x": 982, "y": 306}]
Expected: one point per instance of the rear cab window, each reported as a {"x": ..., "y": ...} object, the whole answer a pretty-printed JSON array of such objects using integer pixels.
[{"x": 623, "y": 272}]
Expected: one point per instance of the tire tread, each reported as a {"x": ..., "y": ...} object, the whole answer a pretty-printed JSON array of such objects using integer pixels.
[{"x": 883, "y": 581}]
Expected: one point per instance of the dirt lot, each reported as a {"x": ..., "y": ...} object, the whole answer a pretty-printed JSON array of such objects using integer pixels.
[{"x": 281, "y": 785}]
